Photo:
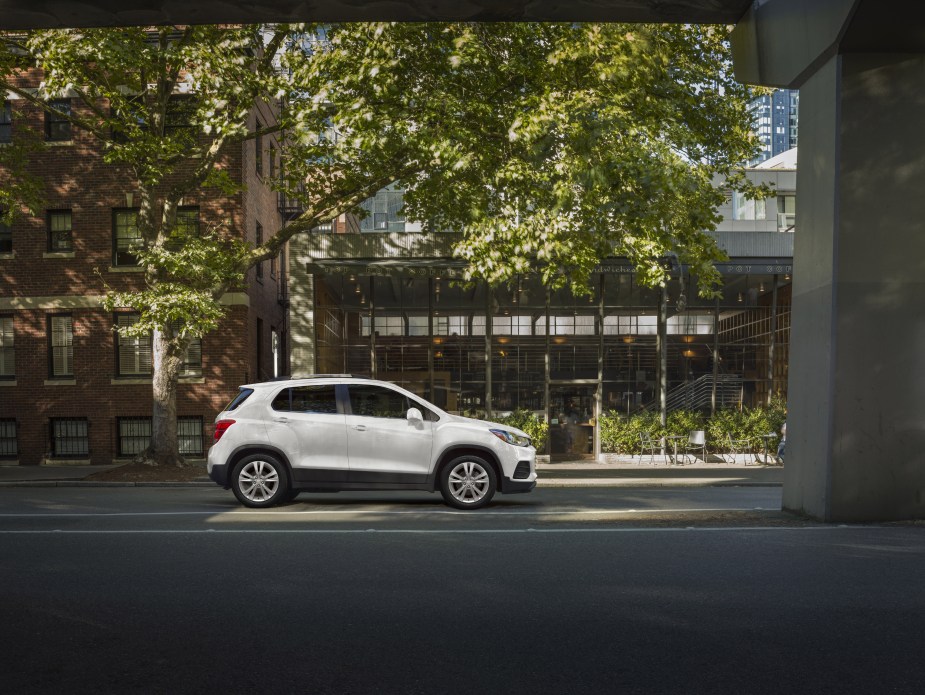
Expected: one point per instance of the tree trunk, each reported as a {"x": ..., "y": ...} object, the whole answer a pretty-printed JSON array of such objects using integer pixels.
[{"x": 167, "y": 356}]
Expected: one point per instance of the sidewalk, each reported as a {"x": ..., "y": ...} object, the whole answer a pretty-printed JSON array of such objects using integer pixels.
[
  {"x": 700, "y": 474},
  {"x": 573, "y": 474}
]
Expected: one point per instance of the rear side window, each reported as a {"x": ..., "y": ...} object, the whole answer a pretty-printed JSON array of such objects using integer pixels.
[
  {"x": 307, "y": 399},
  {"x": 242, "y": 396}
]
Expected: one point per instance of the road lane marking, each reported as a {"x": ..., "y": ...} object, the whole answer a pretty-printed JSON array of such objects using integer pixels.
[{"x": 675, "y": 529}]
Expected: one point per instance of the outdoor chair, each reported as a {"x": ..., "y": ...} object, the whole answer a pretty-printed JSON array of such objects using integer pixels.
[
  {"x": 696, "y": 442},
  {"x": 735, "y": 447},
  {"x": 650, "y": 446}
]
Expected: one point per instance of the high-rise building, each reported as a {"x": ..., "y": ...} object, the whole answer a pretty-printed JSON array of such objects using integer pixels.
[{"x": 775, "y": 119}]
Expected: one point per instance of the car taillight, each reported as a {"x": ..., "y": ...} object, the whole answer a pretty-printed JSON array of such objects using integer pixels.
[{"x": 220, "y": 428}]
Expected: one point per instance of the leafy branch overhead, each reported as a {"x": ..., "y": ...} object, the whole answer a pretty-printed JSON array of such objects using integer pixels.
[{"x": 549, "y": 145}]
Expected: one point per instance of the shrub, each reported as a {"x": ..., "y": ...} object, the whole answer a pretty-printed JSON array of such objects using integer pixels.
[
  {"x": 529, "y": 422},
  {"x": 620, "y": 434}
]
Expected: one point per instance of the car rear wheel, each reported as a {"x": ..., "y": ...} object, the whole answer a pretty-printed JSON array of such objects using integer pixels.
[
  {"x": 260, "y": 480},
  {"x": 468, "y": 482}
]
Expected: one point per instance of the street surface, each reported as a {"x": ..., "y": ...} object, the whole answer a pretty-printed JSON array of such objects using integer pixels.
[{"x": 704, "y": 590}]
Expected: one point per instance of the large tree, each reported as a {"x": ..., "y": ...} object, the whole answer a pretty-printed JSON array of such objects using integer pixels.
[{"x": 550, "y": 145}]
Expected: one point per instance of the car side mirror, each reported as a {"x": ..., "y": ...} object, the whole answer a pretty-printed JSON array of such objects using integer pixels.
[{"x": 414, "y": 416}]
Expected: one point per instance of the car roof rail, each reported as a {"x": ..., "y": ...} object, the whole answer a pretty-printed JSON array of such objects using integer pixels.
[{"x": 312, "y": 376}]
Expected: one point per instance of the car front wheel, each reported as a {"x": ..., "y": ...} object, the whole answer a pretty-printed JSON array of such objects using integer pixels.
[
  {"x": 468, "y": 482},
  {"x": 260, "y": 480}
]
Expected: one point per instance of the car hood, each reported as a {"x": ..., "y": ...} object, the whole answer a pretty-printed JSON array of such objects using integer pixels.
[{"x": 486, "y": 423}]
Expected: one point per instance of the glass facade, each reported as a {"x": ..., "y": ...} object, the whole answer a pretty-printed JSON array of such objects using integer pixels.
[{"x": 482, "y": 351}]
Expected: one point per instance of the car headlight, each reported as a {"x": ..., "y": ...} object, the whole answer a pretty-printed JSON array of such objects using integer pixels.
[{"x": 511, "y": 438}]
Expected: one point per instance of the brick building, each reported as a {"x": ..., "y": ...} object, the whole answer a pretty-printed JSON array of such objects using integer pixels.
[{"x": 72, "y": 390}]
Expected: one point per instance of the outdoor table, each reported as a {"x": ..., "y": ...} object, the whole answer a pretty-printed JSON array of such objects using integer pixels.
[
  {"x": 674, "y": 439},
  {"x": 765, "y": 439}
]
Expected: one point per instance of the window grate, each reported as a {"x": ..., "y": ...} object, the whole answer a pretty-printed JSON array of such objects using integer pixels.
[
  {"x": 189, "y": 435},
  {"x": 134, "y": 435},
  {"x": 69, "y": 437},
  {"x": 8, "y": 442}
]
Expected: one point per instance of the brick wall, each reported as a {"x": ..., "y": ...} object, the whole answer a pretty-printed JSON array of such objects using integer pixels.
[{"x": 35, "y": 284}]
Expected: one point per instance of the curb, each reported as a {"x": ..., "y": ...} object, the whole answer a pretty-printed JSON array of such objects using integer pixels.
[
  {"x": 545, "y": 483},
  {"x": 93, "y": 483}
]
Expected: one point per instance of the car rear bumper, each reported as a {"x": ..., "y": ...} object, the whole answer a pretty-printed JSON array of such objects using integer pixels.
[{"x": 218, "y": 472}]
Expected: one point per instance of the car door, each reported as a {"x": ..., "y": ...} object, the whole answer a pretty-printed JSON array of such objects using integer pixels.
[
  {"x": 383, "y": 446},
  {"x": 308, "y": 416}
]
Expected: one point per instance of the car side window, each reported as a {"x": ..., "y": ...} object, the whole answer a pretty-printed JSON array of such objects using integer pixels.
[
  {"x": 307, "y": 399},
  {"x": 375, "y": 401}
]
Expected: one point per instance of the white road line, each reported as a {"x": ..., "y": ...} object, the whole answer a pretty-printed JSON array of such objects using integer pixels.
[
  {"x": 321, "y": 512},
  {"x": 688, "y": 529}
]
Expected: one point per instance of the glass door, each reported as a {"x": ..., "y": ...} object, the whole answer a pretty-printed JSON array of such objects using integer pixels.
[{"x": 571, "y": 421}]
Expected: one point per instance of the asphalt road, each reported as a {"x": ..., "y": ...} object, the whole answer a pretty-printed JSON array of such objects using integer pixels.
[{"x": 560, "y": 591}]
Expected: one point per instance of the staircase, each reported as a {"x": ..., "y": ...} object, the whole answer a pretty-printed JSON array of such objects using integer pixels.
[{"x": 698, "y": 394}]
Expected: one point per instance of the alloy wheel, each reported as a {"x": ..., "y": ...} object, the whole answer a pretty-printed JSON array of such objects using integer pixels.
[
  {"x": 258, "y": 481},
  {"x": 468, "y": 482}
]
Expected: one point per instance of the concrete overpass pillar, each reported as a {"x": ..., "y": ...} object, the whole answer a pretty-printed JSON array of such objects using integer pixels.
[{"x": 856, "y": 419}]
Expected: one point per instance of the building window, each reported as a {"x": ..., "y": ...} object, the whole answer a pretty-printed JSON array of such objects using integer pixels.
[
  {"x": 6, "y": 235},
  {"x": 192, "y": 358},
  {"x": 69, "y": 437},
  {"x": 274, "y": 351},
  {"x": 186, "y": 226},
  {"x": 125, "y": 237},
  {"x": 7, "y": 348},
  {"x": 259, "y": 348},
  {"x": 189, "y": 435},
  {"x": 60, "y": 238},
  {"x": 134, "y": 354},
  {"x": 746, "y": 209},
  {"x": 259, "y": 242},
  {"x": 258, "y": 148},
  {"x": 58, "y": 125},
  {"x": 384, "y": 212},
  {"x": 6, "y": 122},
  {"x": 178, "y": 119},
  {"x": 8, "y": 443},
  {"x": 134, "y": 435},
  {"x": 271, "y": 160},
  {"x": 61, "y": 346}
]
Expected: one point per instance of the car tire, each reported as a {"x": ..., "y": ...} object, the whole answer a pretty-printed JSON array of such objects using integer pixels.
[
  {"x": 468, "y": 482},
  {"x": 260, "y": 480}
]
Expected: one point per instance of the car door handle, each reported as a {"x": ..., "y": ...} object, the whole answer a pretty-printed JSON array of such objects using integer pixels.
[
  {"x": 360, "y": 428},
  {"x": 281, "y": 419}
]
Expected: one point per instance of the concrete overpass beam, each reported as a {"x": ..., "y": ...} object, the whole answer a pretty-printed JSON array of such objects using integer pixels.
[{"x": 856, "y": 421}]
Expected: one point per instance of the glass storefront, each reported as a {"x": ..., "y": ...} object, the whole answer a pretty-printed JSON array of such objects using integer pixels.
[{"x": 486, "y": 352}]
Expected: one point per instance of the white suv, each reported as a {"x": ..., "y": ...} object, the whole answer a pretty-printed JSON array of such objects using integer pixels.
[{"x": 336, "y": 432}]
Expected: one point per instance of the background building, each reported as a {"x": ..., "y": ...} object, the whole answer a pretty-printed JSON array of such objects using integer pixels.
[
  {"x": 72, "y": 390},
  {"x": 776, "y": 121},
  {"x": 384, "y": 300}
]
